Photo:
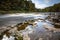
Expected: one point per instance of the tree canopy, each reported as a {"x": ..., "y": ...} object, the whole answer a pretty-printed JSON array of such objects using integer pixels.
[
  {"x": 21, "y": 5},
  {"x": 54, "y": 8},
  {"x": 24, "y": 5}
]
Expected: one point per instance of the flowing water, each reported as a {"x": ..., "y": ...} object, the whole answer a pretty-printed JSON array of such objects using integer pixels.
[{"x": 42, "y": 30}]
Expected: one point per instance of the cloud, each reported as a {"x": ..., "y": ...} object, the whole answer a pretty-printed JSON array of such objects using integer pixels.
[
  {"x": 44, "y": 3},
  {"x": 47, "y": 1},
  {"x": 40, "y": 5}
]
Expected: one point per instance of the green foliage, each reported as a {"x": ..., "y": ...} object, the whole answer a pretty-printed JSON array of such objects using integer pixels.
[
  {"x": 24, "y": 6},
  {"x": 54, "y": 8},
  {"x": 21, "y": 5}
]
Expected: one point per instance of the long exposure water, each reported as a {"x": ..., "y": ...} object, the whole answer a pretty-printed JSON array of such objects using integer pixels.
[{"x": 42, "y": 30}]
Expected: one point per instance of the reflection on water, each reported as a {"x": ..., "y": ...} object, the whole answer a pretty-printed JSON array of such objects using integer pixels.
[
  {"x": 6, "y": 38},
  {"x": 13, "y": 20},
  {"x": 37, "y": 27}
]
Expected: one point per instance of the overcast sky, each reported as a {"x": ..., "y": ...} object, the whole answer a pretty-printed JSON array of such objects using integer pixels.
[{"x": 44, "y": 3}]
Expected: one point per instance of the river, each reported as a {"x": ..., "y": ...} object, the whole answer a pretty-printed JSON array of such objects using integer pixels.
[{"x": 42, "y": 30}]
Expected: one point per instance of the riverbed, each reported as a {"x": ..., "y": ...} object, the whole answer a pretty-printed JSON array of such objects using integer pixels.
[{"x": 41, "y": 30}]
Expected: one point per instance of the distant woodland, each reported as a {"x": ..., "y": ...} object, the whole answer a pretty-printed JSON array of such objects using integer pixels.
[
  {"x": 25, "y": 6},
  {"x": 54, "y": 8}
]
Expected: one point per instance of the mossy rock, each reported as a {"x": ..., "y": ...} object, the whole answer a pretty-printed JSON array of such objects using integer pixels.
[
  {"x": 57, "y": 26},
  {"x": 20, "y": 38},
  {"x": 22, "y": 27}
]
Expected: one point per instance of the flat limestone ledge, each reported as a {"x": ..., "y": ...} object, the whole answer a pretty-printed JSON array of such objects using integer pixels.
[
  {"x": 57, "y": 24},
  {"x": 51, "y": 28}
]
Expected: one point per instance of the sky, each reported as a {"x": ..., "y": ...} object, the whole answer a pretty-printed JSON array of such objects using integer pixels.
[{"x": 44, "y": 3}]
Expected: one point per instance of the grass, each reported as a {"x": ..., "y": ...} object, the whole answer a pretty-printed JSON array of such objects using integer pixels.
[{"x": 11, "y": 12}]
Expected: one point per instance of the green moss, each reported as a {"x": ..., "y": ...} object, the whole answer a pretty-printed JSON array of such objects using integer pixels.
[
  {"x": 22, "y": 27},
  {"x": 20, "y": 38}
]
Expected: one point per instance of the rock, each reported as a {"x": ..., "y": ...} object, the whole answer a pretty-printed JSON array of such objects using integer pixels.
[
  {"x": 40, "y": 38},
  {"x": 57, "y": 26}
]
